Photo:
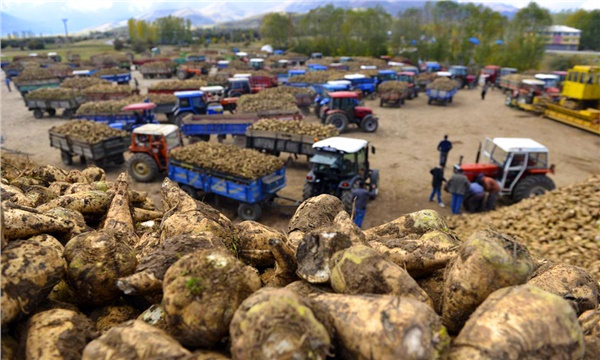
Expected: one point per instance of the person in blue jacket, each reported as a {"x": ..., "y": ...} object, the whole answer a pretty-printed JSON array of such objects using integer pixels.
[{"x": 444, "y": 148}]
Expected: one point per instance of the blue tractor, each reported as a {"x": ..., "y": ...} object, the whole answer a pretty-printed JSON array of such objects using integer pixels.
[
  {"x": 386, "y": 75},
  {"x": 368, "y": 85},
  {"x": 192, "y": 102}
]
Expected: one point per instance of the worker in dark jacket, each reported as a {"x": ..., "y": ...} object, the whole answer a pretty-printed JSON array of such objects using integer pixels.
[
  {"x": 475, "y": 198},
  {"x": 458, "y": 186},
  {"x": 361, "y": 197},
  {"x": 436, "y": 183},
  {"x": 444, "y": 148}
]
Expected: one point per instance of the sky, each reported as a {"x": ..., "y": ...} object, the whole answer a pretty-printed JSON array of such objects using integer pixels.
[{"x": 80, "y": 13}]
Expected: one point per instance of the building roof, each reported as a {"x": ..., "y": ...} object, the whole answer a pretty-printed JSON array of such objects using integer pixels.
[
  {"x": 562, "y": 28},
  {"x": 519, "y": 144},
  {"x": 346, "y": 145}
]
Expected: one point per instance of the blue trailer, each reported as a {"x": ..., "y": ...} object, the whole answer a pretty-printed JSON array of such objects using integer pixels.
[
  {"x": 440, "y": 96},
  {"x": 253, "y": 194},
  {"x": 367, "y": 85},
  {"x": 316, "y": 67},
  {"x": 118, "y": 78}
]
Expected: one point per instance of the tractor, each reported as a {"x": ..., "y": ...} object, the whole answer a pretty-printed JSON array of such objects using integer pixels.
[
  {"x": 409, "y": 77},
  {"x": 520, "y": 166},
  {"x": 237, "y": 86},
  {"x": 201, "y": 103},
  {"x": 343, "y": 109},
  {"x": 460, "y": 74},
  {"x": 340, "y": 165},
  {"x": 150, "y": 146},
  {"x": 321, "y": 100}
]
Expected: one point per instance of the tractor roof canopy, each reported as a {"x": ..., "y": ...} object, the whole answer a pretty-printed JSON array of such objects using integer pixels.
[
  {"x": 519, "y": 145},
  {"x": 534, "y": 82},
  {"x": 155, "y": 129},
  {"x": 344, "y": 95},
  {"x": 190, "y": 93},
  {"x": 139, "y": 106},
  {"x": 339, "y": 82},
  {"x": 409, "y": 73},
  {"x": 343, "y": 144},
  {"x": 546, "y": 77}
]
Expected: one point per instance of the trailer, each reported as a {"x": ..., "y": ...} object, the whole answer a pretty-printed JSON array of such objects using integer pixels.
[
  {"x": 440, "y": 96},
  {"x": 253, "y": 195},
  {"x": 38, "y": 107},
  {"x": 273, "y": 142},
  {"x": 156, "y": 73},
  {"x": 133, "y": 115},
  {"x": 102, "y": 153},
  {"x": 26, "y": 86},
  {"x": 202, "y": 127},
  {"x": 392, "y": 98}
]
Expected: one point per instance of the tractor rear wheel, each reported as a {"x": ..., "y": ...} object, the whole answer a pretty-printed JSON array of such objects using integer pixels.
[
  {"x": 51, "y": 111},
  {"x": 318, "y": 110},
  {"x": 369, "y": 124},
  {"x": 182, "y": 75},
  {"x": 249, "y": 211},
  {"x": 347, "y": 199},
  {"x": 308, "y": 191},
  {"x": 142, "y": 167},
  {"x": 338, "y": 120},
  {"x": 66, "y": 157},
  {"x": 532, "y": 186}
]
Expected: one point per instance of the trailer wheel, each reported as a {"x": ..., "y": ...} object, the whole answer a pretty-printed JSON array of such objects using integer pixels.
[
  {"x": 66, "y": 157},
  {"x": 308, "y": 191},
  {"x": 67, "y": 113},
  {"x": 51, "y": 111},
  {"x": 249, "y": 211},
  {"x": 429, "y": 101},
  {"x": 450, "y": 100},
  {"x": 182, "y": 75},
  {"x": 38, "y": 114},
  {"x": 142, "y": 167},
  {"x": 381, "y": 103},
  {"x": 189, "y": 190}
]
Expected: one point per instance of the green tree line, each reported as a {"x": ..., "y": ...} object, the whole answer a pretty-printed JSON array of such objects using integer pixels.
[
  {"x": 168, "y": 30},
  {"x": 443, "y": 31}
]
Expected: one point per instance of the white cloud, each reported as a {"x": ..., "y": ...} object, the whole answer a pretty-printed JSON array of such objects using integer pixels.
[
  {"x": 87, "y": 5},
  {"x": 140, "y": 5}
]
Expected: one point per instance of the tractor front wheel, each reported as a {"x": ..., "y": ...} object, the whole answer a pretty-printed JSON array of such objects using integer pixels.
[
  {"x": 249, "y": 211},
  {"x": 142, "y": 167},
  {"x": 347, "y": 199},
  {"x": 308, "y": 191},
  {"x": 369, "y": 124},
  {"x": 338, "y": 120},
  {"x": 532, "y": 186}
]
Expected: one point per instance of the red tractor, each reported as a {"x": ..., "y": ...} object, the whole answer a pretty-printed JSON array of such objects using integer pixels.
[
  {"x": 150, "y": 146},
  {"x": 343, "y": 109},
  {"x": 519, "y": 165}
]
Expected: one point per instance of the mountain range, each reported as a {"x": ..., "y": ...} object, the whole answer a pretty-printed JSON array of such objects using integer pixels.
[{"x": 203, "y": 14}]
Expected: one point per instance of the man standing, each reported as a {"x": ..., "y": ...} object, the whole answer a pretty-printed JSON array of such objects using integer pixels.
[
  {"x": 484, "y": 90},
  {"x": 492, "y": 187},
  {"x": 438, "y": 178},
  {"x": 361, "y": 197},
  {"x": 444, "y": 148},
  {"x": 7, "y": 82},
  {"x": 458, "y": 185}
]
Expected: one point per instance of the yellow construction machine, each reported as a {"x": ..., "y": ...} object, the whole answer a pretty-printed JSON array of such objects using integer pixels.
[{"x": 579, "y": 105}]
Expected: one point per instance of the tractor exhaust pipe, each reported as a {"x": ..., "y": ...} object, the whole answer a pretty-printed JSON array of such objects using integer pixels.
[
  {"x": 478, "y": 153},
  {"x": 460, "y": 160}
]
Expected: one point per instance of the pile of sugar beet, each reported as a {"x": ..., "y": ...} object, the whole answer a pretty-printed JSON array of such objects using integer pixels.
[{"x": 91, "y": 270}]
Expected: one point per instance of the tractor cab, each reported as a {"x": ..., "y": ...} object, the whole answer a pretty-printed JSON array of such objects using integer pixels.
[
  {"x": 316, "y": 55},
  {"x": 431, "y": 67},
  {"x": 491, "y": 74},
  {"x": 84, "y": 73},
  {"x": 339, "y": 165},
  {"x": 257, "y": 63},
  {"x": 551, "y": 83},
  {"x": 143, "y": 112},
  {"x": 529, "y": 89},
  {"x": 386, "y": 75},
  {"x": 322, "y": 99},
  {"x": 189, "y": 102},
  {"x": 409, "y": 77},
  {"x": 242, "y": 55},
  {"x": 507, "y": 71},
  {"x": 212, "y": 94},
  {"x": 461, "y": 74},
  {"x": 363, "y": 83},
  {"x": 343, "y": 109},
  {"x": 238, "y": 86},
  {"x": 413, "y": 69},
  {"x": 150, "y": 146},
  {"x": 520, "y": 166}
]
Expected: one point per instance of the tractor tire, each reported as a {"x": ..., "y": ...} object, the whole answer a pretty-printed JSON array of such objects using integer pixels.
[
  {"x": 250, "y": 212},
  {"x": 318, "y": 111},
  {"x": 66, "y": 157},
  {"x": 338, "y": 120},
  {"x": 67, "y": 113},
  {"x": 450, "y": 100},
  {"x": 308, "y": 191},
  {"x": 409, "y": 96},
  {"x": 305, "y": 110},
  {"x": 142, "y": 167},
  {"x": 381, "y": 103},
  {"x": 429, "y": 101},
  {"x": 369, "y": 124},
  {"x": 38, "y": 113},
  {"x": 347, "y": 199},
  {"x": 374, "y": 180},
  {"x": 402, "y": 101},
  {"x": 51, "y": 111},
  {"x": 182, "y": 75},
  {"x": 532, "y": 186},
  {"x": 179, "y": 119}
]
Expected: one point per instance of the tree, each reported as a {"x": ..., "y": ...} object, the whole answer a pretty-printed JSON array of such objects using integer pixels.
[
  {"x": 277, "y": 29},
  {"x": 118, "y": 44},
  {"x": 589, "y": 24}
]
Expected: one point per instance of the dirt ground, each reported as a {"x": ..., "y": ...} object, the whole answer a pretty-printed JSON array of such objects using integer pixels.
[{"x": 405, "y": 142}]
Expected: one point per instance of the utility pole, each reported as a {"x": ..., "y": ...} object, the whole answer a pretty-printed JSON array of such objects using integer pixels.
[{"x": 66, "y": 35}]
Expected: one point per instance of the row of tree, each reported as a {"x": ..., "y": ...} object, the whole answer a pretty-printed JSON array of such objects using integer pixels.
[
  {"x": 458, "y": 33},
  {"x": 169, "y": 30}
]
